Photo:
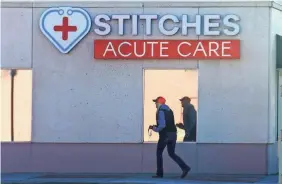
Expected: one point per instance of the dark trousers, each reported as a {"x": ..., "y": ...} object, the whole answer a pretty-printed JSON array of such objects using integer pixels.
[
  {"x": 170, "y": 142},
  {"x": 192, "y": 136}
]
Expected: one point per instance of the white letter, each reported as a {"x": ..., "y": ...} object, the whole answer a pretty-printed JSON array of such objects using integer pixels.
[
  {"x": 162, "y": 48},
  {"x": 200, "y": 49},
  {"x": 186, "y": 25},
  {"x": 213, "y": 50},
  {"x": 120, "y": 47},
  {"x": 152, "y": 47},
  {"x": 148, "y": 19},
  {"x": 208, "y": 25},
  {"x": 178, "y": 49},
  {"x": 110, "y": 49},
  {"x": 104, "y": 25},
  {"x": 134, "y": 25},
  {"x": 227, "y": 22},
  {"x": 223, "y": 49},
  {"x": 135, "y": 50},
  {"x": 120, "y": 19},
  {"x": 161, "y": 25}
]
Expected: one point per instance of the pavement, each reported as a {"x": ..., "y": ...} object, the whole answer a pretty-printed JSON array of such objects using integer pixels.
[{"x": 90, "y": 178}]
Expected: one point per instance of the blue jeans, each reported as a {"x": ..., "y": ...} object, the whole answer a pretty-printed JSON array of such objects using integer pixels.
[{"x": 168, "y": 140}]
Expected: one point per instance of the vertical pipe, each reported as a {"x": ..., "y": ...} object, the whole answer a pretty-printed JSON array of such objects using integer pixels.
[{"x": 13, "y": 74}]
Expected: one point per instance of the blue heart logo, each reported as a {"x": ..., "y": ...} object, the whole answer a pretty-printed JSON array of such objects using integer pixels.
[{"x": 65, "y": 26}]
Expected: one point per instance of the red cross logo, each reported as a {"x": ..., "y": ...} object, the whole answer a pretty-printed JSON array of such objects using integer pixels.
[{"x": 65, "y": 28}]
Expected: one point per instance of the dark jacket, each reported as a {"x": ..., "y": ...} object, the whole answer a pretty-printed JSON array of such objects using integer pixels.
[
  {"x": 189, "y": 117},
  {"x": 165, "y": 120}
]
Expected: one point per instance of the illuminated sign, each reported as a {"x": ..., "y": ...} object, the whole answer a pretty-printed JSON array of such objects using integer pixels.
[
  {"x": 66, "y": 26},
  {"x": 202, "y": 25}
]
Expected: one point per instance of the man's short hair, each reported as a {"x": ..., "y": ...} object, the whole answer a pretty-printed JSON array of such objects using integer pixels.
[{"x": 185, "y": 98}]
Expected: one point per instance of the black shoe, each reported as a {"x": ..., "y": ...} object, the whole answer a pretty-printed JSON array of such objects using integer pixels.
[
  {"x": 157, "y": 176},
  {"x": 185, "y": 172}
]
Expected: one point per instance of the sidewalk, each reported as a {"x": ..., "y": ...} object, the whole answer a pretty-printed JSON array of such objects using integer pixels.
[{"x": 39, "y": 178}]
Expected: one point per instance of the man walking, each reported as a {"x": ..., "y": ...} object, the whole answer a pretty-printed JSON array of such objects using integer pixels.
[
  {"x": 167, "y": 137},
  {"x": 189, "y": 119}
]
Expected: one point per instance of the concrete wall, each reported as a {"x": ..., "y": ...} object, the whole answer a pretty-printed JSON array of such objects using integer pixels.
[
  {"x": 16, "y": 37},
  {"x": 139, "y": 158},
  {"x": 74, "y": 95},
  {"x": 232, "y": 95},
  {"x": 276, "y": 28},
  {"x": 16, "y": 52},
  {"x": 75, "y": 98},
  {"x": 276, "y": 16},
  {"x": 78, "y": 115}
]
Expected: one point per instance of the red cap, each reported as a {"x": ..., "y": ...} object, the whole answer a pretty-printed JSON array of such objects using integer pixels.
[{"x": 160, "y": 100}]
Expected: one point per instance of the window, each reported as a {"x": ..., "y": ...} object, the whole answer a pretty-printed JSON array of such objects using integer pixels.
[
  {"x": 16, "y": 99},
  {"x": 173, "y": 85}
]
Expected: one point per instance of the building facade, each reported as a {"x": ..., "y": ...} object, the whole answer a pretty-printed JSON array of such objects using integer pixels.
[{"x": 83, "y": 106}]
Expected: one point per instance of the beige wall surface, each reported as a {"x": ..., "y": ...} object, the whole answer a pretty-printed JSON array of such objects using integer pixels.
[
  {"x": 22, "y": 105},
  {"x": 172, "y": 85},
  {"x": 5, "y": 101}
]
